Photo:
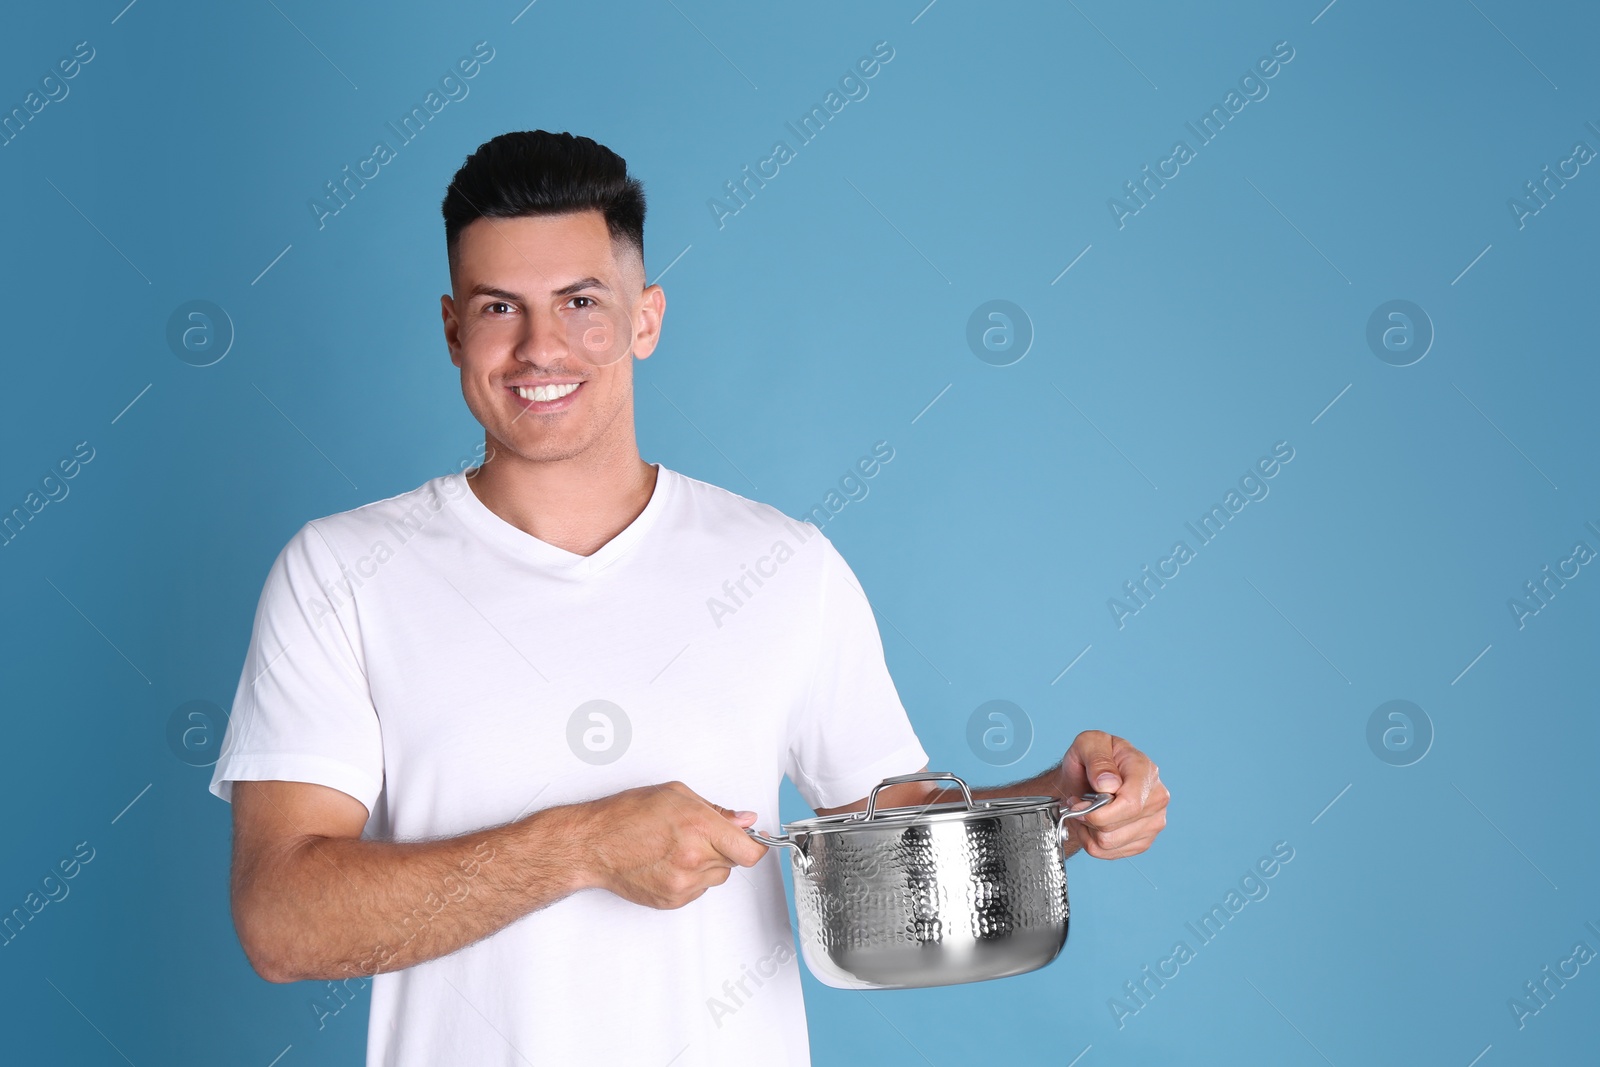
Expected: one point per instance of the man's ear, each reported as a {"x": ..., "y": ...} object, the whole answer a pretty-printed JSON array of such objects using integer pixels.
[
  {"x": 652, "y": 309},
  {"x": 452, "y": 327}
]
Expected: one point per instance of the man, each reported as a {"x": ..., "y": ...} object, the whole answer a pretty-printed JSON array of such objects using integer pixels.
[{"x": 490, "y": 746}]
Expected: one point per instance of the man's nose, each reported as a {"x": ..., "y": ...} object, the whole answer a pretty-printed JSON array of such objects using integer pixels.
[{"x": 543, "y": 340}]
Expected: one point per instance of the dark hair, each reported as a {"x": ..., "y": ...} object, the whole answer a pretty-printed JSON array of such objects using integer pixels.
[{"x": 532, "y": 172}]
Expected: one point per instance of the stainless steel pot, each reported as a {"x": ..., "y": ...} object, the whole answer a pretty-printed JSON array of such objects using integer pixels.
[{"x": 902, "y": 898}]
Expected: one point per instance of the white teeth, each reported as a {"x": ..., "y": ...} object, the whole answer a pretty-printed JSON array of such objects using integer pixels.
[{"x": 546, "y": 392}]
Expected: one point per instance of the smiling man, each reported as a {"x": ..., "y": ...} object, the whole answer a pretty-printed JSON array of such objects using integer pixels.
[{"x": 510, "y": 776}]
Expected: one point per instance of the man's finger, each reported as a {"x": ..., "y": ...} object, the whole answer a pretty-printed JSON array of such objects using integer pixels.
[
  {"x": 1102, "y": 852},
  {"x": 742, "y": 818},
  {"x": 1142, "y": 797},
  {"x": 1094, "y": 752},
  {"x": 736, "y": 845},
  {"x": 1124, "y": 809},
  {"x": 1139, "y": 833}
]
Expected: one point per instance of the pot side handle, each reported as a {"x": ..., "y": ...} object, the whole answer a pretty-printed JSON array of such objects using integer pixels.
[
  {"x": 784, "y": 841},
  {"x": 802, "y": 858},
  {"x": 1096, "y": 802}
]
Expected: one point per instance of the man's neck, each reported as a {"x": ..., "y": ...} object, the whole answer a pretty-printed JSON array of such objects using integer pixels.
[{"x": 576, "y": 504}]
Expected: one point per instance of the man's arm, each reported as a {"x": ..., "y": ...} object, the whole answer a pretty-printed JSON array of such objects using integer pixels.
[
  {"x": 1125, "y": 827},
  {"x": 312, "y": 900}
]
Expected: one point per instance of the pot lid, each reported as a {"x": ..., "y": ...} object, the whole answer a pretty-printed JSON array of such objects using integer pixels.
[{"x": 949, "y": 811}]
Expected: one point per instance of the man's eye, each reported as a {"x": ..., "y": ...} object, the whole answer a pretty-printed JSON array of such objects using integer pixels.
[
  {"x": 588, "y": 302},
  {"x": 498, "y": 308}
]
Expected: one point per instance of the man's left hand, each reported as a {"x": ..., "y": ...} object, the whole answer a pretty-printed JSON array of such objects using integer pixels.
[{"x": 1098, "y": 762}]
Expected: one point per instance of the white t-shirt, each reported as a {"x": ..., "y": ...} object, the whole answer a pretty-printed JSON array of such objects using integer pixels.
[{"x": 438, "y": 664}]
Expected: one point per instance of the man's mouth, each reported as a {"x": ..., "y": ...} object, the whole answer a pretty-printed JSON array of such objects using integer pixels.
[{"x": 545, "y": 394}]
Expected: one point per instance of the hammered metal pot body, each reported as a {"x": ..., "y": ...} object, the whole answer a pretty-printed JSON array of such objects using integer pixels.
[{"x": 961, "y": 897}]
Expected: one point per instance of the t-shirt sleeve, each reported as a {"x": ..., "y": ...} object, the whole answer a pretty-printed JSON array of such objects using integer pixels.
[
  {"x": 303, "y": 711},
  {"x": 851, "y": 731}
]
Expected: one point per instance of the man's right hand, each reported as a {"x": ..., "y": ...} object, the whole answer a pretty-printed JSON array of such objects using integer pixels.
[{"x": 663, "y": 845}]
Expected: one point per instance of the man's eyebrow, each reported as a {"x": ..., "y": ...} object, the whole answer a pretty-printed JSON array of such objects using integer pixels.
[
  {"x": 566, "y": 290},
  {"x": 489, "y": 290},
  {"x": 580, "y": 285}
]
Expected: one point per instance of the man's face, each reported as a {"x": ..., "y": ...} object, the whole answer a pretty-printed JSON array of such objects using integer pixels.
[{"x": 549, "y": 303}]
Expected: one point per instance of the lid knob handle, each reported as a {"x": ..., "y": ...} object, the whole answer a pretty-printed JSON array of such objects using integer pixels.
[{"x": 920, "y": 776}]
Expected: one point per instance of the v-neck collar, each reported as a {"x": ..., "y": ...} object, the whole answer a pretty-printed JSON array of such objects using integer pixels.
[{"x": 524, "y": 546}]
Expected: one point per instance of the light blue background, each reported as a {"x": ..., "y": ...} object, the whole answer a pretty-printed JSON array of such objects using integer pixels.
[{"x": 826, "y": 316}]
